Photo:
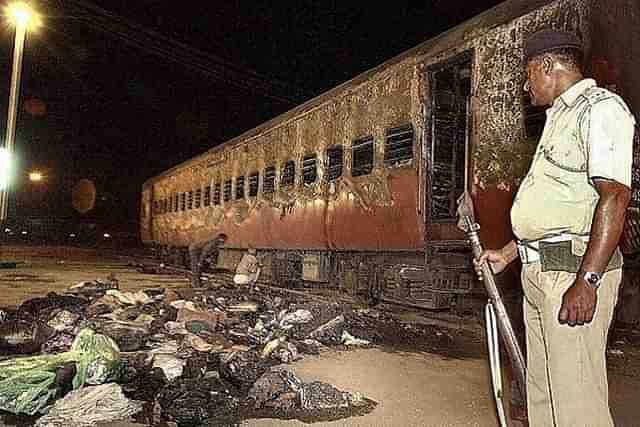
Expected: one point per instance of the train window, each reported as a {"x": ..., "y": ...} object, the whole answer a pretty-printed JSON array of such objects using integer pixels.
[
  {"x": 288, "y": 174},
  {"x": 190, "y": 200},
  {"x": 254, "y": 180},
  {"x": 269, "y": 184},
  {"x": 164, "y": 206},
  {"x": 335, "y": 157},
  {"x": 183, "y": 201},
  {"x": 227, "y": 190},
  {"x": 240, "y": 187},
  {"x": 216, "y": 194},
  {"x": 362, "y": 156},
  {"x": 176, "y": 202},
  {"x": 309, "y": 169},
  {"x": 398, "y": 146},
  {"x": 198, "y": 200},
  {"x": 207, "y": 196}
]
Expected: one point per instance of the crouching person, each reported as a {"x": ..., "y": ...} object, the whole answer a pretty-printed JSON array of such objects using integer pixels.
[
  {"x": 198, "y": 253},
  {"x": 248, "y": 269}
]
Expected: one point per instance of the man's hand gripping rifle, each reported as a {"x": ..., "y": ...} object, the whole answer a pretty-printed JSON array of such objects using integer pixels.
[{"x": 496, "y": 313}]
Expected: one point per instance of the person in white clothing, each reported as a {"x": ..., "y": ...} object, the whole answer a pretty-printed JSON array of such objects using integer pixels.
[{"x": 248, "y": 269}]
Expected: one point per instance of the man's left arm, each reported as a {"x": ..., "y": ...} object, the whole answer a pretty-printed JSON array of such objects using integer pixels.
[
  {"x": 579, "y": 302},
  {"x": 608, "y": 133}
]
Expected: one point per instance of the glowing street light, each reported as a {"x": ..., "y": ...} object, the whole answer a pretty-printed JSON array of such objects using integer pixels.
[
  {"x": 35, "y": 176},
  {"x": 23, "y": 18}
]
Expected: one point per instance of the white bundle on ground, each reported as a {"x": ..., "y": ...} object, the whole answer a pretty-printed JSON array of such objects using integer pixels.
[{"x": 90, "y": 405}]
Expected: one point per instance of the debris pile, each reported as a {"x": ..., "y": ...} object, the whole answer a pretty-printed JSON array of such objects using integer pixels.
[{"x": 183, "y": 356}]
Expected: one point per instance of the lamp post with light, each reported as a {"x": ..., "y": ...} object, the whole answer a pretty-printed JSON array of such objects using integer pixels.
[{"x": 24, "y": 18}]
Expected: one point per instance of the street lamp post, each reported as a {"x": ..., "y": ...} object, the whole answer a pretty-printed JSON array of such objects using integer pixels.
[{"x": 22, "y": 17}]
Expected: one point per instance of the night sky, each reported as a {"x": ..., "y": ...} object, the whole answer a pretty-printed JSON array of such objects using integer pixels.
[{"x": 117, "y": 91}]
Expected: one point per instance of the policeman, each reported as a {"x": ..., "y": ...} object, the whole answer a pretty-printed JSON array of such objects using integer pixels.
[{"x": 567, "y": 218}]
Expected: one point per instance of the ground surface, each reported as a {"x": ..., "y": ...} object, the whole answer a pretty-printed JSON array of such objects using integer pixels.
[{"x": 417, "y": 380}]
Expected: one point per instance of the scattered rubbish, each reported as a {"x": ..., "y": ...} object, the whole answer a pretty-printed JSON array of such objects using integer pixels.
[
  {"x": 22, "y": 337},
  {"x": 95, "y": 287},
  {"x": 180, "y": 304},
  {"x": 42, "y": 307},
  {"x": 129, "y": 336},
  {"x": 288, "y": 353},
  {"x": 145, "y": 319},
  {"x": 242, "y": 369},
  {"x": 321, "y": 396},
  {"x": 271, "y": 346},
  {"x": 331, "y": 332},
  {"x": 103, "y": 305},
  {"x": 348, "y": 339},
  {"x": 309, "y": 346},
  {"x": 61, "y": 342},
  {"x": 197, "y": 343},
  {"x": 130, "y": 298},
  {"x": 64, "y": 321},
  {"x": 282, "y": 391},
  {"x": 296, "y": 318},
  {"x": 190, "y": 356},
  {"x": 209, "y": 319},
  {"x": 90, "y": 406},
  {"x": 175, "y": 328},
  {"x": 243, "y": 308},
  {"x": 191, "y": 402},
  {"x": 171, "y": 365},
  {"x": 276, "y": 389}
]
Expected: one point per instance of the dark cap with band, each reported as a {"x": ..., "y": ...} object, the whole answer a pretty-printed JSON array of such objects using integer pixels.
[{"x": 547, "y": 40}]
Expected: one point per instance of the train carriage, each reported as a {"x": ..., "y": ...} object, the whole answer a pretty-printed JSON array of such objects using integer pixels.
[{"x": 356, "y": 188}]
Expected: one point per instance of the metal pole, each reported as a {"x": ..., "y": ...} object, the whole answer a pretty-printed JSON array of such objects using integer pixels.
[{"x": 21, "y": 30}]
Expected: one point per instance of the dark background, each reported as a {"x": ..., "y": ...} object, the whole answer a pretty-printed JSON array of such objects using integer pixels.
[{"x": 118, "y": 91}]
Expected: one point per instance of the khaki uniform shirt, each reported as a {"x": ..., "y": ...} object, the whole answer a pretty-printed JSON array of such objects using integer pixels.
[
  {"x": 247, "y": 265},
  {"x": 588, "y": 134}
]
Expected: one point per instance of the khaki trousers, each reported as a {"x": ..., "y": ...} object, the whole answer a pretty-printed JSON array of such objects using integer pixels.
[{"x": 566, "y": 366}]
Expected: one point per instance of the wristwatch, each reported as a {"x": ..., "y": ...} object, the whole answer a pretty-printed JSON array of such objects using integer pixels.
[{"x": 593, "y": 279}]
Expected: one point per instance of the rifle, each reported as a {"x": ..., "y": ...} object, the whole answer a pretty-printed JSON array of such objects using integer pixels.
[{"x": 496, "y": 311}]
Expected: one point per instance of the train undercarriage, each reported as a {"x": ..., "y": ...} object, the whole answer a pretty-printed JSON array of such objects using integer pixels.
[{"x": 439, "y": 278}]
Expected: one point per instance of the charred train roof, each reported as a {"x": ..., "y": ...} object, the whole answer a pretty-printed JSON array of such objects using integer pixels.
[{"x": 470, "y": 29}]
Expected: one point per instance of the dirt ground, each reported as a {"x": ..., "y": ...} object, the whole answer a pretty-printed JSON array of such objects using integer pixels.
[{"x": 442, "y": 381}]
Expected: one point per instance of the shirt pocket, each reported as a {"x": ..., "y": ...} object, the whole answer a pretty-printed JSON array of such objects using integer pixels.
[{"x": 569, "y": 159}]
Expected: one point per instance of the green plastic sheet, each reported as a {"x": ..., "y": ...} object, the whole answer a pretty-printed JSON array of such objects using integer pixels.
[{"x": 27, "y": 383}]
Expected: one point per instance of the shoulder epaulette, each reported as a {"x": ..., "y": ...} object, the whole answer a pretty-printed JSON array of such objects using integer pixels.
[{"x": 597, "y": 94}]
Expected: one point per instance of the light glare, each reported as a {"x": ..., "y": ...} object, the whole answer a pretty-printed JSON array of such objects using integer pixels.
[
  {"x": 22, "y": 15},
  {"x": 35, "y": 176},
  {"x": 5, "y": 168}
]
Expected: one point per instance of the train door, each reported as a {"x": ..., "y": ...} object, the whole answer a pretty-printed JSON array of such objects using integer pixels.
[{"x": 447, "y": 255}]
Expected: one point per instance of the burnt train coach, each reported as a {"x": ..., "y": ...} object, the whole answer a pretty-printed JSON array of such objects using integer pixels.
[{"x": 357, "y": 188}]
